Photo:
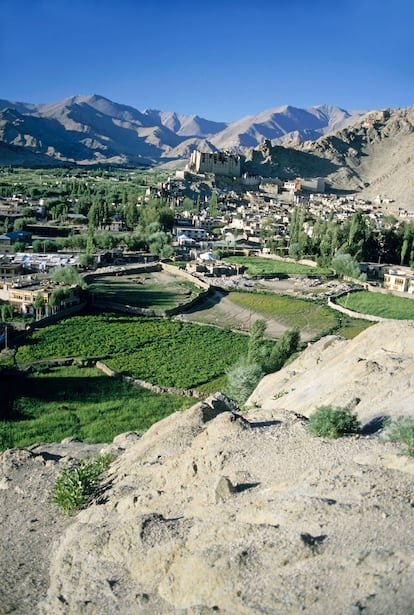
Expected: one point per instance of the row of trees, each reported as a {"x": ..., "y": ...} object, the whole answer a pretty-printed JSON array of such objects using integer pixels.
[{"x": 357, "y": 236}]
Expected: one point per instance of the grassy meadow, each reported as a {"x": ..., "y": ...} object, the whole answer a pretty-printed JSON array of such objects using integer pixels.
[
  {"x": 378, "y": 304},
  {"x": 143, "y": 290},
  {"x": 77, "y": 402},
  {"x": 266, "y": 266}
]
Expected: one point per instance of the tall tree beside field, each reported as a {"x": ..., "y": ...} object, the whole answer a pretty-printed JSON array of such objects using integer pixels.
[
  {"x": 131, "y": 216},
  {"x": 39, "y": 304},
  {"x": 407, "y": 246},
  {"x": 254, "y": 353},
  {"x": 346, "y": 265},
  {"x": 6, "y": 311},
  {"x": 56, "y": 298},
  {"x": 262, "y": 358}
]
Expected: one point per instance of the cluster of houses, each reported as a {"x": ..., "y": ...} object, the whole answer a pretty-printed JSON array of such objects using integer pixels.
[
  {"x": 391, "y": 277},
  {"x": 248, "y": 211},
  {"x": 24, "y": 277},
  {"x": 24, "y": 295}
]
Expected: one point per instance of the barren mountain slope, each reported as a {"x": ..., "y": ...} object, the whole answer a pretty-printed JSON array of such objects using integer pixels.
[{"x": 375, "y": 155}]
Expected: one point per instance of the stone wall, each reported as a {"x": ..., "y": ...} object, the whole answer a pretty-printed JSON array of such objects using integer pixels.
[
  {"x": 185, "y": 274},
  {"x": 339, "y": 308},
  {"x": 155, "y": 388}
]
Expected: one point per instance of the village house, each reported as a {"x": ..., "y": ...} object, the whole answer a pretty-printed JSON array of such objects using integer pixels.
[
  {"x": 400, "y": 279},
  {"x": 8, "y": 240},
  {"x": 186, "y": 231},
  {"x": 22, "y": 296},
  {"x": 9, "y": 269},
  {"x": 391, "y": 277}
]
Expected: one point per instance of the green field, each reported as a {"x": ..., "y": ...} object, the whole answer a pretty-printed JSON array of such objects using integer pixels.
[
  {"x": 143, "y": 290},
  {"x": 56, "y": 402},
  {"x": 309, "y": 316},
  {"x": 77, "y": 402},
  {"x": 161, "y": 351},
  {"x": 378, "y": 304},
  {"x": 266, "y": 266}
]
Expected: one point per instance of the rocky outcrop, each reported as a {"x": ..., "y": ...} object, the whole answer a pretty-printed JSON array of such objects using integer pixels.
[
  {"x": 217, "y": 511},
  {"x": 373, "y": 374},
  {"x": 220, "y": 513}
]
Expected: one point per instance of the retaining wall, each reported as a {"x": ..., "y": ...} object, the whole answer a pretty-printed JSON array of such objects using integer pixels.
[
  {"x": 339, "y": 308},
  {"x": 155, "y": 388}
]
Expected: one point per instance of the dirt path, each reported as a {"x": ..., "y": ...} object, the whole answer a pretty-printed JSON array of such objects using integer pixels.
[{"x": 219, "y": 310}]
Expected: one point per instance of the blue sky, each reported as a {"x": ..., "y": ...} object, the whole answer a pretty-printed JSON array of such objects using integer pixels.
[{"x": 232, "y": 59}]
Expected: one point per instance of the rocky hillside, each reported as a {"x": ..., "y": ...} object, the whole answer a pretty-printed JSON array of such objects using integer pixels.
[
  {"x": 375, "y": 156},
  {"x": 218, "y": 511},
  {"x": 93, "y": 129},
  {"x": 372, "y": 156}
]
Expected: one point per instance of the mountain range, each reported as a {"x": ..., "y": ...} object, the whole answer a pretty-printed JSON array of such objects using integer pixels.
[
  {"x": 355, "y": 151},
  {"x": 93, "y": 129}
]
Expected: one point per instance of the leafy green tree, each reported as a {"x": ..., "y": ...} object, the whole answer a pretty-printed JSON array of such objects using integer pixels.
[
  {"x": 407, "y": 244},
  {"x": 44, "y": 246},
  {"x": 346, "y": 265},
  {"x": 69, "y": 276},
  {"x": 256, "y": 339},
  {"x": 188, "y": 204},
  {"x": 56, "y": 298},
  {"x": 357, "y": 233},
  {"x": 159, "y": 243},
  {"x": 166, "y": 219},
  {"x": 135, "y": 241},
  {"x": 267, "y": 232},
  {"x": 87, "y": 261},
  {"x": 21, "y": 223},
  {"x": 131, "y": 216},
  {"x": 285, "y": 346},
  {"x": 90, "y": 240},
  {"x": 6, "y": 311},
  {"x": 19, "y": 246},
  {"x": 262, "y": 358},
  {"x": 39, "y": 304},
  {"x": 295, "y": 250},
  {"x": 6, "y": 225},
  {"x": 213, "y": 204},
  {"x": 106, "y": 241}
]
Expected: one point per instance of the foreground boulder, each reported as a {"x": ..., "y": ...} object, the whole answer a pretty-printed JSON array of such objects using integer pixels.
[{"x": 242, "y": 515}]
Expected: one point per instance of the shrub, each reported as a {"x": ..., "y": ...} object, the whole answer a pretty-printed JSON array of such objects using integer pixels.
[
  {"x": 74, "y": 485},
  {"x": 242, "y": 379},
  {"x": 402, "y": 430},
  {"x": 331, "y": 422}
]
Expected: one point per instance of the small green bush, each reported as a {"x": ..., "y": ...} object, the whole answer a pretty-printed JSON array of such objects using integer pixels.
[
  {"x": 74, "y": 485},
  {"x": 331, "y": 422},
  {"x": 242, "y": 379},
  {"x": 402, "y": 430}
]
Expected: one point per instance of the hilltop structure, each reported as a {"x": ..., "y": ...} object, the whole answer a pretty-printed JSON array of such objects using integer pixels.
[{"x": 219, "y": 163}]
